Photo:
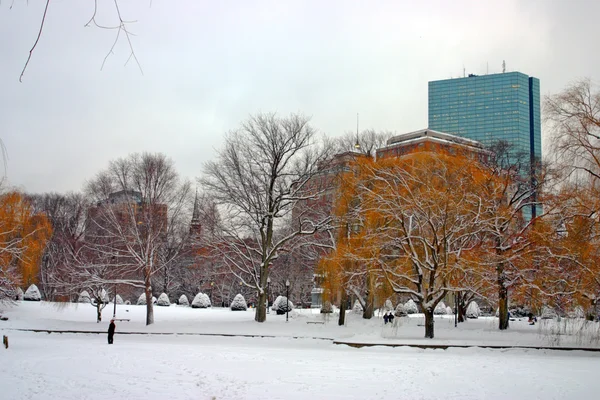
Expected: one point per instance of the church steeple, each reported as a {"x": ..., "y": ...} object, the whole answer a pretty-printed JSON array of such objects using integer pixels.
[{"x": 195, "y": 225}]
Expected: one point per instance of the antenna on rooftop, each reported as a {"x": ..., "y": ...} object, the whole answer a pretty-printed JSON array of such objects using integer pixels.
[
  {"x": 357, "y": 144},
  {"x": 503, "y": 66},
  {"x": 464, "y": 71}
]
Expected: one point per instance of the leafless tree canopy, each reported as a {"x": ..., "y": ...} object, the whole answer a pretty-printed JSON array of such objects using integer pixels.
[{"x": 259, "y": 176}]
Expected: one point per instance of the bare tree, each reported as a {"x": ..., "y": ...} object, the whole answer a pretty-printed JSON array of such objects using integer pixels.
[
  {"x": 140, "y": 205},
  {"x": 261, "y": 173}
]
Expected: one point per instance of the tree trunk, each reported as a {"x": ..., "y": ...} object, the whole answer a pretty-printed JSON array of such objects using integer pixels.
[
  {"x": 98, "y": 311},
  {"x": 502, "y": 299},
  {"x": 428, "y": 323},
  {"x": 462, "y": 308},
  {"x": 343, "y": 301},
  {"x": 149, "y": 305},
  {"x": 261, "y": 309},
  {"x": 368, "y": 307}
]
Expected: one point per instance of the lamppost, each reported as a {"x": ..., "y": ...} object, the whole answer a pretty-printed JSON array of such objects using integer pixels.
[
  {"x": 455, "y": 309},
  {"x": 268, "y": 284},
  {"x": 287, "y": 299},
  {"x": 211, "y": 293},
  {"x": 115, "y": 309}
]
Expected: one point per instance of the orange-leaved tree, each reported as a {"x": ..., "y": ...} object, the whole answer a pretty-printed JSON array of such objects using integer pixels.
[
  {"x": 413, "y": 222},
  {"x": 23, "y": 237}
]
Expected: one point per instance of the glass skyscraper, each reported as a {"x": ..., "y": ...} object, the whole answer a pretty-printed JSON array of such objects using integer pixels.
[{"x": 490, "y": 108}]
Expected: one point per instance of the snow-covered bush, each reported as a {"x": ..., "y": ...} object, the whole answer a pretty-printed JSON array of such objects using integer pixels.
[
  {"x": 32, "y": 294},
  {"x": 20, "y": 294},
  {"x": 201, "y": 301},
  {"x": 548, "y": 313},
  {"x": 239, "y": 303},
  {"x": 400, "y": 311},
  {"x": 163, "y": 300},
  {"x": 358, "y": 309},
  {"x": 128, "y": 303},
  {"x": 449, "y": 310},
  {"x": 119, "y": 299},
  {"x": 281, "y": 305},
  {"x": 473, "y": 310},
  {"x": 84, "y": 297},
  {"x": 142, "y": 299},
  {"x": 388, "y": 306},
  {"x": 411, "y": 307},
  {"x": 440, "y": 309},
  {"x": 183, "y": 300},
  {"x": 577, "y": 312},
  {"x": 326, "y": 308}
]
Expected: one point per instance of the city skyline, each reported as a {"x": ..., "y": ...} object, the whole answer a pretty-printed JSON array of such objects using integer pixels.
[{"x": 207, "y": 66}]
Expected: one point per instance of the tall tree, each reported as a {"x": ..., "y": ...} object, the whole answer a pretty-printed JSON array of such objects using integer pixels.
[
  {"x": 260, "y": 174},
  {"x": 23, "y": 237},
  {"x": 141, "y": 203}
]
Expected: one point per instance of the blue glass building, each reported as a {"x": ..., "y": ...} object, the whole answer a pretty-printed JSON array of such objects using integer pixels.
[{"x": 489, "y": 108}]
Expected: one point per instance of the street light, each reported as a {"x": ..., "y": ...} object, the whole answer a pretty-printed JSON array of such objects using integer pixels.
[
  {"x": 455, "y": 309},
  {"x": 287, "y": 299},
  {"x": 211, "y": 293},
  {"x": 268, "y": 284}
]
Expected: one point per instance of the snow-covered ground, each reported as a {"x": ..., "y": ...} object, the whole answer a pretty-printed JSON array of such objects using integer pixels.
[{"x": 293, "y": 360}]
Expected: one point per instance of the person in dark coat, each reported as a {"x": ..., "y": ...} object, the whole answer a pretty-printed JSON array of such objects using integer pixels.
[
  {"x": 111, "y": 331},
  {"x": 385, "y": 318},
  {"x": 391, "y": 317}
]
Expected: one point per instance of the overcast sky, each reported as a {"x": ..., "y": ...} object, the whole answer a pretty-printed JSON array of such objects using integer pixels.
[{"x": 207, "y": 65}]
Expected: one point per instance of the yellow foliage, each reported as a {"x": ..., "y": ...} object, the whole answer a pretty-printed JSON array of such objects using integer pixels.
[{"x": 23, "y": 236}]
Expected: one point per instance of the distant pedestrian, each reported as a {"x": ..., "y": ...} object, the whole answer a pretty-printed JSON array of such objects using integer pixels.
[
  {"x": 391, "y": 317},
  {"x": 385, "y": 318},
  {"x": 111, "y": 331}
]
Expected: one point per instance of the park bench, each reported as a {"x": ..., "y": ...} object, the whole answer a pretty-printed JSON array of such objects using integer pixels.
[{"x": 315, "y": 322}]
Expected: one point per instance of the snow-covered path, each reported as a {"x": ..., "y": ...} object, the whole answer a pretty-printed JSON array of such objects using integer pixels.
[{"x": 78, "y": 366}]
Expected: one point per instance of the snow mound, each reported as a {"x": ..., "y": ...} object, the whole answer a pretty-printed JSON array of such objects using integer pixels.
[
  {"x": 163, "y": 300},
  {"x": 326, "y": 308},
  {"x": 142, "y": 299},
  {"x": 238, "y": 303},
  {"x": 183, "y": 300},
  {"x": 400, "y": 311},
  {"x": 201, "y": 301},
  {"x": 548, "y": 313},
  {"x": 440, "y": 309},
  {"x": 473, "y": 310},
  {"x": 282, "y": 305},
  {"x": 577, "y": 312},
  {"x": 127, "y": 303},
  {"x": 388, "y": 306},
  {"x": 32, "y": 294},
  {"x": 357, "y": 307},
  {"x": 411, "y": 307},
  {"x": 20, "y": 294},
  {"x": 84, "y": 297}
]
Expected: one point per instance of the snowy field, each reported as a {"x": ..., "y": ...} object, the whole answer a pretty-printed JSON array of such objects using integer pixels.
[{"x": 292, "y": 360}]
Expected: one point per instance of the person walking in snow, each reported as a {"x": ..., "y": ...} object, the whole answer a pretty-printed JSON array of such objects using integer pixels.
[
  {"x": 111, "y": 331},
  {"x": 391, "y": 317},
  {"x": 385, "y": 318}
]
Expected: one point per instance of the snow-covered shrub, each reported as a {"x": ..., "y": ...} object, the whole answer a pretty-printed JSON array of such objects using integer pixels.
[
  {"x": 128, "y": 303},
  {"x": 548, "y": 313},
  {"x": 119, "y": 299},
  {"x": 281, "y": 305},
  {"x": 358, "y": 309},
  {"x": 440, "y": 309},
  {"x": 32, "y": 294},
  {"x": 326, "y": 308},
  {"x": 577, "y": 312},
  {"x": 20, "y": 294},
  {"x": 411, "y": 307},
  {"x": 201, "y": 301},
  {"x": 183, "y": 300},
  {"x": 400, "y": 311},
  {"x": 473, "y": 310},
  {"x": 449, "y": 310},
  {"x": 163, "y": 300},
  {"x": 388, "y": 306},
  {"x": 238, "y": 303},
  {"x": 84, "y": 297},
  {"x": 142, "y": 299}
]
